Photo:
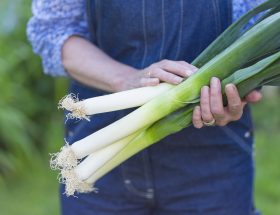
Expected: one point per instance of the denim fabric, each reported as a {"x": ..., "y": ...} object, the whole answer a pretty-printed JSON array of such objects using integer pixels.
[{"x": 208, "y": 171}]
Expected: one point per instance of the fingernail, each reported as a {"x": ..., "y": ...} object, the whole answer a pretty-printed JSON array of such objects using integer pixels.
[
  {"x": 188, "y": 73},
  {"x": 230, "y": 87},
  {"x": 194, "y": 69},
  {"x": 178, "y": 80},
  {"x": 215, "y": 81},
  {"x": 205, "y": 89}
]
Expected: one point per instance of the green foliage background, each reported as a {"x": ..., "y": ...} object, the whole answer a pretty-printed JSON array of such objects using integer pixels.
[
  {"x": 31, "y": 127},
  {"x": 28, "y": 111}
]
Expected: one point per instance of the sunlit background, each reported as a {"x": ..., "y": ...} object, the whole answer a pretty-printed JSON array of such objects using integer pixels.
[{"x": 31, "y": 127}]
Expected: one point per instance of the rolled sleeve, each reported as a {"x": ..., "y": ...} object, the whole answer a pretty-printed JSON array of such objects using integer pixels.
[{"x": 53, "y": 22}]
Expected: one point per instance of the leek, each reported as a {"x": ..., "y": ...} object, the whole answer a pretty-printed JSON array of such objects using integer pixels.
[
  {"x": 231, "y": 58},
  {"x": 101, "y": 104},
  {"x": 261, "y": 39},
  {"x": 245, "y": 79}
]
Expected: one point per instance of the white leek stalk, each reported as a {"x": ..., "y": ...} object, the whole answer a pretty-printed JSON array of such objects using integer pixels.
[
  {"x": 75, "y": 178},
  {"x": 111, "y": 102},
  {"x": 97, "y": 159}
]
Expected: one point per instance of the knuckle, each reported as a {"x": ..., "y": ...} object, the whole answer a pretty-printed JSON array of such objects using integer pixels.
[
  {"x": 204, "y": 100},
  {"x": 152, "y": 67},
  {"x": 163, "y": 76},
  {"x": 155, "y": 72},
  {"x": 196, "y": 121},
  {"x": 164, "y": 62},
  {"x": 196, "y": 117},
  {"x": 215, "y": 93},
  {"x": 236, "y": 117},
  {"x": 221, "y": 122},
  {"x": 156, "y": 81},
  {"x": 218, "y": 113},
  {"x": 207, "y": 117},
  {"x": 235, "y": 108},
  {"x": 204, "y": 103},
  {"x": 204, "y": 112},
  {"x": 161, "y": 73}
]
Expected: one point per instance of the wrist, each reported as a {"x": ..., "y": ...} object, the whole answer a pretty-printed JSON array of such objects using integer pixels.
[{"x": 120, "y": 82}]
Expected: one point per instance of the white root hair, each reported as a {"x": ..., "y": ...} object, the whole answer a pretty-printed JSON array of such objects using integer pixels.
[
  {"x": 73, "y": 184},
  {"x": 65, "y": 159},
  {"x": 72, "y": 103}
]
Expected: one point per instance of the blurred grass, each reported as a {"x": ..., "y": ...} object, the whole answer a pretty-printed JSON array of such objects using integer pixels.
[
  {"x": 267, "y": 186},
  {"x": 35, "y": 193},
  {"x": 28, "y": 97},
  {"x": 268, "y": 173},
  {"x": 35, "y": 190}
]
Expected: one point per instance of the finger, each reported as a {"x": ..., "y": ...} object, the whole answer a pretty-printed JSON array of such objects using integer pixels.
[
  {"x": 166, "y": 76},
  {"x": 222, "y": 122},
  {"x": 197, "y": 121},
  {"x": 205, "y": 105},
  {"x": 229, "y": 117},
  {"x": 189, "y": 66},
  {"x": 235, "y": 107},
  {"x": 175, "y": 68},
  {"x": 216, "y": 99},
  {"x": 253, "y": 97},
  {"x": 145, "y": 82}
]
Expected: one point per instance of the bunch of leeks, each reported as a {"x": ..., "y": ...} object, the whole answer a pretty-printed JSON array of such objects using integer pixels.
[{"x": 247, "y": 58}]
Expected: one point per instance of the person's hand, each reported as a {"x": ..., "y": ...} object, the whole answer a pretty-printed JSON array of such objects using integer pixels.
[
  {"x": 211, "y": 110},
  {"x": 172, "y": 72}
]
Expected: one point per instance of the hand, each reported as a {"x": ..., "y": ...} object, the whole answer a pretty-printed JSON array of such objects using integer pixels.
[
  {"x": 169, "y": 71},
  {"x": 211, "y": 107}
]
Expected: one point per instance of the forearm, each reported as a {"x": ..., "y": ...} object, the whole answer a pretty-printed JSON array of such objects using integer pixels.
[{"x": 91, "y": 66}]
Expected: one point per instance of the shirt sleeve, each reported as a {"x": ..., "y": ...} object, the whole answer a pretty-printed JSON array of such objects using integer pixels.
[
  {"x": 240, "y": 7},
  {"x": 52, "y": 23}
]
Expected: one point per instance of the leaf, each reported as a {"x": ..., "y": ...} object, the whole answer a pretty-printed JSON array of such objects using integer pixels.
[
  {"x": 233, "y": 32},
  {"x": 269, "y": 13},
  {"x": 273, "y": 81}
]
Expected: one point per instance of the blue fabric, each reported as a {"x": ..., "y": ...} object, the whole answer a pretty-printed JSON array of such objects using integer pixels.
[
  {"x": 53, "y": 22},
  {"x": 208, "y": 171}
]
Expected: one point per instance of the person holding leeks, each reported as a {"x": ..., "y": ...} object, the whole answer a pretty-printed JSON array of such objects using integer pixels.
[{"x": 112, "y": 46}]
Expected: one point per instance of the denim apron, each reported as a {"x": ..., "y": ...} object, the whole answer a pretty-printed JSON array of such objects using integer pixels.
[{"x": 196, "y": 171}]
